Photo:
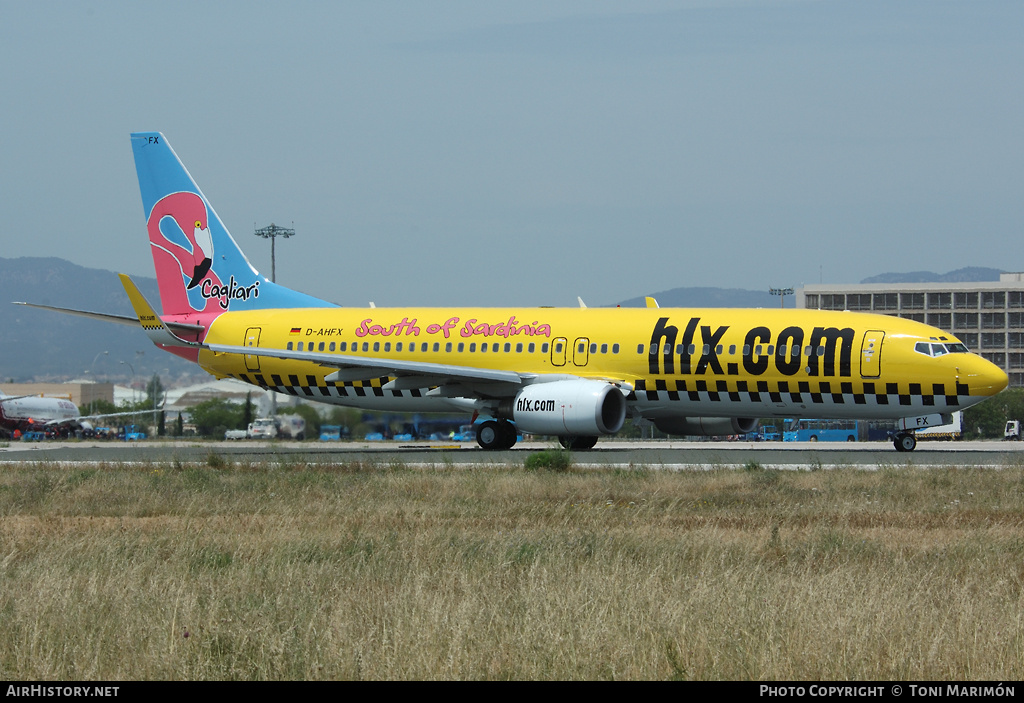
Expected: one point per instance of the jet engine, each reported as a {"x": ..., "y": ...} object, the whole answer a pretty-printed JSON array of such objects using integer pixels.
[
  {"x": 580, "y": 408},
  {"x": 706, "y": 425}
]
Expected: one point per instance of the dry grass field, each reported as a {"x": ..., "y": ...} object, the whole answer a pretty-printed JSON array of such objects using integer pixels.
[{"x": 221, "y": 571}]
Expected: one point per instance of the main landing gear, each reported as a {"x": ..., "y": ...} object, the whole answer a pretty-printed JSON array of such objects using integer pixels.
[
  {"x": 576, "y": 442},
  {"x": 496, "y": 434},
  {"x": 904, "y": 441}
]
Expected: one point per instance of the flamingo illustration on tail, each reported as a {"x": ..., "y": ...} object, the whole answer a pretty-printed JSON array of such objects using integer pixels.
[{"x": 199, "y": 266}]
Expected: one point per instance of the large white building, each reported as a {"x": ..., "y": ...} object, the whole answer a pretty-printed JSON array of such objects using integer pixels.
[{"x": 986, "y": 316}]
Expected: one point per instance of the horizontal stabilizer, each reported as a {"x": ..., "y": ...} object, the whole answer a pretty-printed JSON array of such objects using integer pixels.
[{"x": 150, "y": 321}]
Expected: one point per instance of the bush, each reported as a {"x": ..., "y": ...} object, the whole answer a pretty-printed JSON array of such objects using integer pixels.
[{"x": 551, "y": 459}]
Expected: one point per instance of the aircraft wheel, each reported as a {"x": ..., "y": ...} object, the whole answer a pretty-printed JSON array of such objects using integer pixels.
[
  {"x": 814, "y": 438},
  {"x": 488, "y": 435},
  {"x": 577, "y": 443},
  {"x": 905, "y": 442},
  {"x": 851, "y": 438},
  {"x": 508, "y": 434}
]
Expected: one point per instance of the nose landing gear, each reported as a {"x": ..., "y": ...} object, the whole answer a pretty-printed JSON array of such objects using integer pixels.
[{"x": 904, "y": 442}]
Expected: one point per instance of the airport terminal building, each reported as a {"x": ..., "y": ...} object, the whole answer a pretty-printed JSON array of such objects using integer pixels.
[{"x": 986, "y": 316}]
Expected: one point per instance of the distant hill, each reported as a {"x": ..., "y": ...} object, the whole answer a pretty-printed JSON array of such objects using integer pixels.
[
  {"x": 970, "y": 274},
  {"x": 709, "y": 298},
  {"x": 47, "y": 346}
]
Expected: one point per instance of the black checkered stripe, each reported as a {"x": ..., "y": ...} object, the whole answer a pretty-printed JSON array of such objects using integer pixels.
[
  {"x": 815, "y": 392},
  {"x": 310, "y": 386}
]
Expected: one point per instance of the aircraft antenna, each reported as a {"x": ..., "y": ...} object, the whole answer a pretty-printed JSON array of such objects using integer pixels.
[{"x": 272, "y": 232}]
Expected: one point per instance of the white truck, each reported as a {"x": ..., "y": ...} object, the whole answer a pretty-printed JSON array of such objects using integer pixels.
[
  {"x": 1012, "y": 430},
  {"x": 280, "y": 427}
]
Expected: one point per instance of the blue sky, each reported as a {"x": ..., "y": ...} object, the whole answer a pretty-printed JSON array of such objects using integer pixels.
[{"x": 461, "y": 153}]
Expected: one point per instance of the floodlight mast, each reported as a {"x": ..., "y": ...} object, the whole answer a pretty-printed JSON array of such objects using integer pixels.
[
  {"x": 782, "y": 293},
  {"x": 272, "y": 232}
]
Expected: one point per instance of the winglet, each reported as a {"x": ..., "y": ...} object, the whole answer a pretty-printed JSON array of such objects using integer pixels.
[
  {"x": 651, "y": 302},
  {"x": 150, "y": 321}
]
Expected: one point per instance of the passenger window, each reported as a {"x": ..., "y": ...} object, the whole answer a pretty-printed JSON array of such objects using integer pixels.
[
  {"x": 472, "y": 347},
  {"x": 320, "y": 347},
  {"x": 289, "y": 346},
  {"x": 398, "y": 347},
  {"x": 718, "y": 349},
  {"x": 448, "y": 347},
  {"x": 342, "y": 346},
  {"x": 732, "y": 350},
  {"x": 495, "y": 347},
  {"x": 706, "y": 349},
  {"x": 530, "y": 348},
  {"x": 423, "y": 347},
  {"x": 387, "y": 346},
  {"x": 331, "y": 347},
  {"x": 639, "y": 348},
  {"x": 437, "y": 346},
  {"x": 604, "y": 348},
  {"x": 519, "y": 348},
  {"x": 615, "y": 349},
  {"x": 376, "y": 346},
  {"x": 693, "y": 349},
  {"x": 366, "y": 346},
  {"x": 544, "y": 348},
  {"x": 508, "y": 347},
  {"x": 461, "y": 347},
  {"x": 300, "y": 346}
]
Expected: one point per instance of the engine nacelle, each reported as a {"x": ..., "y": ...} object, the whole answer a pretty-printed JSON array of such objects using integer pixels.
[
  {"x": 580, "y": 408},
  {"x": 707, "y": 426}
]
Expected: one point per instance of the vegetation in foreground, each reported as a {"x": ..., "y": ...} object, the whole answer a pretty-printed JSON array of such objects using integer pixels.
[{"x": 274, "y": 571}]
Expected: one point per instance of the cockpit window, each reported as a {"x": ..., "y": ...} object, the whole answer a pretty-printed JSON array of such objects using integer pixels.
[{"x": 940, "y": 349}]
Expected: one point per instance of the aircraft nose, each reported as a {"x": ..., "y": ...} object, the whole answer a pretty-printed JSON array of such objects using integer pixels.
[{"x": 983, "y": 377}]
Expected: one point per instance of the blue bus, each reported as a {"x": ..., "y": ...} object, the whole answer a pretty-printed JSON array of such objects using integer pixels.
[{"x": 821, "y": 431}]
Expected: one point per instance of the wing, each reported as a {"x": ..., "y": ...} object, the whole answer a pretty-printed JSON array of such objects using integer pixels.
[
  {"x": 108, "y": 317},
  {"x": 413, "y": 374},
  {"x": 363, "y": 368}
]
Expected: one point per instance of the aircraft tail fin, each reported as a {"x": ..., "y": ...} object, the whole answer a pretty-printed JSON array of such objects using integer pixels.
[{"x": 199, "y": 266}]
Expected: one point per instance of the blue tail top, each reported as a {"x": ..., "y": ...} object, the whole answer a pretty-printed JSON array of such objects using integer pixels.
[{"x": 199, "y": 267}]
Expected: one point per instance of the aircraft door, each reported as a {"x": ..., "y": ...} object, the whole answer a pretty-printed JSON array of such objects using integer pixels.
[
  {"x": 580, "y": 351},
  {"x": 252, "y": 339},
  {"x": 558, "y": 345},
  {"x": 871, "y": 354}
]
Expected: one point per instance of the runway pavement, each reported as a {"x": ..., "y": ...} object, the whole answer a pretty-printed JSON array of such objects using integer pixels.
[{"x": 608, "y": 454}]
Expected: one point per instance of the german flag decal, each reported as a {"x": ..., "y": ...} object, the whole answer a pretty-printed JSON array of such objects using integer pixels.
[{"x": 295, "y": 330}]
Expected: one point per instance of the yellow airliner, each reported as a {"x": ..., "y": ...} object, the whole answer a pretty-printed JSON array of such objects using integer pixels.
[{"x": 575, "y": 373}]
